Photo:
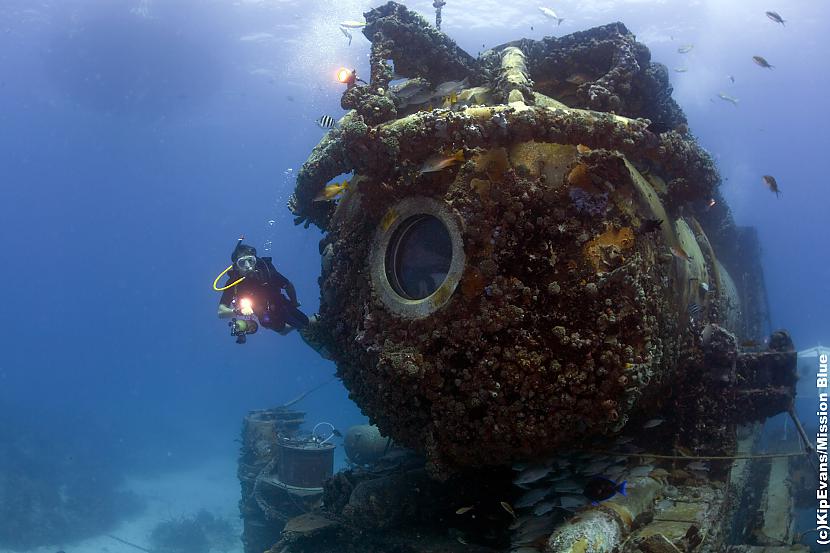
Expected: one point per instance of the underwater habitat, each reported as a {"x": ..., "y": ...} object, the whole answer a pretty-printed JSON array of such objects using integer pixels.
[{"x": 416, "y": 276}]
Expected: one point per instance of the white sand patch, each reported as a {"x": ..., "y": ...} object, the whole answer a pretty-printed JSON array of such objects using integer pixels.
[{"x": 212, "y": 486}]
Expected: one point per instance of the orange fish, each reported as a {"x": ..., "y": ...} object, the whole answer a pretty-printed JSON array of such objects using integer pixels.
[
  {"x": 680, "y": 253},
  {"x": 441, "y": 161},
  {"x": 582, "y": 149},
  {"x": 772, "y": 184}
]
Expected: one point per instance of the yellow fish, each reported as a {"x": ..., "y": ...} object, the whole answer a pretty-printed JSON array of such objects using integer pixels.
[
  {"x": 450, "y": 100},
  {"x": 440, "y": 162},
  {"x": 331, "y": 191}
]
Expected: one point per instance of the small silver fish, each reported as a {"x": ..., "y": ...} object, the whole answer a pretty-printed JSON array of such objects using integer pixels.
[
  {"x": 615, "y": 472},
  {"x": 534, "y": 529},
  {"x": 347, "y": 34},
  {"x": 567, "y": 486},
  {"x": 551, "y": 14},
  {"x": 762, "y": 62},
  {"x": 449, "y": 87},
  {"x": 531, "y": 498},
  {"x": 653, "y": 422},
  {"x": 573, "y": 501},
  {"x": 728, "y": 98},
  {"x": 775, "y": 17},
  {"x": 685, "y": 49},
  {"x": 544, "y": 508},
  {"x": 532, "y": 474},
  {"x": 578, "y": 78},
  {"x": 597, "y": 467},
  {"x": 521, "y": 521},
  {"x": 680, "y": 69},
  {"x": 350, "y": 24},
  {"x": 698, "y": 465},
  {"x": 642, "y": 470},
  {"x": 409, "y": 88}
]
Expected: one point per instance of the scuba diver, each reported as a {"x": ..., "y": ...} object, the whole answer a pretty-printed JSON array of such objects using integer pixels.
[{"x": 254, "y": 290}]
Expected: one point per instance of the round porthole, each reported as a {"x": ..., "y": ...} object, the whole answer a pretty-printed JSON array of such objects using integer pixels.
[{"x": 417, "y": 256}]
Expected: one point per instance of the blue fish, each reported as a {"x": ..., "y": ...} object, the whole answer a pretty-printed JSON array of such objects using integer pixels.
[{"x": 599, "y": 489}]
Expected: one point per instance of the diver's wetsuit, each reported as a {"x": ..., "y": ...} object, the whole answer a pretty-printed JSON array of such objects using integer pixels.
[{"x": 264, "y": 287}]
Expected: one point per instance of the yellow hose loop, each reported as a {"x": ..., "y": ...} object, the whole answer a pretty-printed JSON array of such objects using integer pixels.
[{"x": 231, "y": 285}]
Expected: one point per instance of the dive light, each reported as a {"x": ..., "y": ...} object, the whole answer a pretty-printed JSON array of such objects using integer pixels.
[{"x": 242, "y": 327}]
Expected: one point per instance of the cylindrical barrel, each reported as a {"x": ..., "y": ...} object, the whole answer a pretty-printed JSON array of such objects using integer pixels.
[{"x": 305, "y": 464}]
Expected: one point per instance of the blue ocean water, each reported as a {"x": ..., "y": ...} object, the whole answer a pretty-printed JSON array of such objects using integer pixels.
[{"x": 140, "y": 138}]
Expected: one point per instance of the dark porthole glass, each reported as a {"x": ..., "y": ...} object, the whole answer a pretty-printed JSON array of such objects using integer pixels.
[{"x": 418, "y": 257}]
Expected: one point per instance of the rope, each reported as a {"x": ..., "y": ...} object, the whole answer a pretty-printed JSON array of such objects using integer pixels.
[
  {"x": 125, "y": 542},
  {"x": 702, "y": 457},
  {"x": 803, "y": 435},
  {"x": 306, "y": 393}
]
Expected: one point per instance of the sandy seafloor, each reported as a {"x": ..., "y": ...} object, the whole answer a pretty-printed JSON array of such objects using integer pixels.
[{"x": 212, "y": 486}]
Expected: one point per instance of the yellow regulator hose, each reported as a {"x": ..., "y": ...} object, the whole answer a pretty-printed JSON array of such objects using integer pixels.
[{"x": 231, "y": 285}]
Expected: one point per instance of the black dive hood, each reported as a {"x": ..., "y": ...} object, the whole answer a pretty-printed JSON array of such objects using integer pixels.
[{"x": 241, "y": 250}]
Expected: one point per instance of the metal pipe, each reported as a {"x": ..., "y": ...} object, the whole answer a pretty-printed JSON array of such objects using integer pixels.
[
  {"x": 602, "y": 529},
  {"x": 438, "y": 4},
  {"x": 514, "y": 80}
]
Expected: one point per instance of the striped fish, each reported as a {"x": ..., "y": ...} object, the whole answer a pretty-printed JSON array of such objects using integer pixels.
[
  {"x": 695, "y": 310},
  {"x": 326, "y": 122}
]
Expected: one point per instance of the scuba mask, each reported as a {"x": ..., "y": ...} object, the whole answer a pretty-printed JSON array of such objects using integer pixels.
[{"x": 246, "y": 263}]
